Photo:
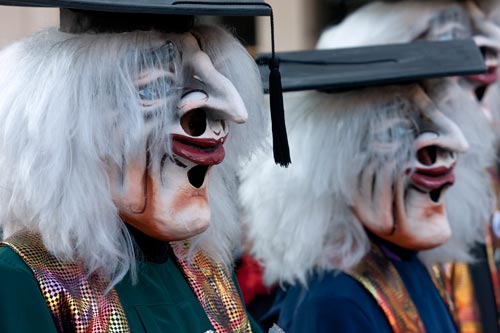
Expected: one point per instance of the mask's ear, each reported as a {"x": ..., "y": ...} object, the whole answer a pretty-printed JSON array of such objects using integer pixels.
[
  {"x": 128, "y": 184},
  {"x": 373, "y": 204}
]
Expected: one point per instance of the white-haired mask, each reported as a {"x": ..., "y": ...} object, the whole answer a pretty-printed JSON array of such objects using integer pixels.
[
  {"x": 469, "y": 21},
  {"x": 162, "y": 188},
  {"x": 408, "y": 208},
  {"x": 383, "y": 22},
  {"x": 392, "y": 162}
]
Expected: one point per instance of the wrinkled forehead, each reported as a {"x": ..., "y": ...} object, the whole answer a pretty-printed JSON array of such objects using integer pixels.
[
  {"x": 403, "y": 99},
  {"x": 164, "y": 50},
  {"x": 450, "y": 23},
  {"x": 461, "y": 21}
]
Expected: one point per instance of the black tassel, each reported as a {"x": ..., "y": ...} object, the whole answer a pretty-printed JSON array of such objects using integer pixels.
[{"x": 280, "y": 139}]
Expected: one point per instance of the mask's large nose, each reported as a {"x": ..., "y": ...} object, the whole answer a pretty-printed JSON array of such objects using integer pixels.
[
  {"x": 435, "y": 129},
  {"x": 209, "y": 90}
]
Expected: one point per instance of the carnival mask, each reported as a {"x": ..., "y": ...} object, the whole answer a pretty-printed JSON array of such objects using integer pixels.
[
  {"x": 465, "y": 22},
  {"x": 405, "y": 206},
  {"x": 162, "y": 189}
]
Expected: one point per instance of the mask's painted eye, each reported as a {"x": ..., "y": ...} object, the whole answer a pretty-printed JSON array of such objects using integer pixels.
[
  {"x": 156, "y": 89},
  {"x": 394, "y": 131},
  {"x": 194, "y": 122},
  {"x": 147, "y": 92}
]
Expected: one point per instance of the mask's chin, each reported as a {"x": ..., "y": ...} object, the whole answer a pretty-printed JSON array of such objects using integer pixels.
[
  {"x": 420, "y": 218},
  {"x": 183, "y": 211}
]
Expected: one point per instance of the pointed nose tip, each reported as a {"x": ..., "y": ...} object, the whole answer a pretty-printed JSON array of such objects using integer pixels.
[
  {"x": 455, "y": 139},
  {"x": 223, "y": 100},
  {"x": 239, "y": 114},
  {"x": 226, "y": 101},
  {"x": 463, "y": 146}
]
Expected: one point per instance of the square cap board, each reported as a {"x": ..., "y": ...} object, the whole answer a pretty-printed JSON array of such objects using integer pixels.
[
  {"x": 199, "y": 7},
  {"x": 351, "y": 68}
]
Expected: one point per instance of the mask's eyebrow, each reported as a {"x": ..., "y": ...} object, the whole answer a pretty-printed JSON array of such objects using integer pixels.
[
  {"x": 159, "y": 57},
  {"x": 151, "y": 75}
]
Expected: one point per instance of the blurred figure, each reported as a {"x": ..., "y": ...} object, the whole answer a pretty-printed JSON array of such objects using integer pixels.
[
  {"x": 370, "y": 190},
  {"x": 477, "y": 301}
]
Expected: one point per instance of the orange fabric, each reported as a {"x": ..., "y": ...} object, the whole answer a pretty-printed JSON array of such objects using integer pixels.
[
  {"x": 380, "y": 278},
  {"x": 455, "y": 278},
  {"x": 490, "y": 252},
  {"x": 216, "y": 291}
]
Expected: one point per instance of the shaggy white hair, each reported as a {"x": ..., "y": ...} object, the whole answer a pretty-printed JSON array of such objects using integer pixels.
[
  {"x": 389, "y": 22},
  {"x": 67, "y": 105},
  {"x": 300, "y": 219},
  {"x": 409, "y": 20}
]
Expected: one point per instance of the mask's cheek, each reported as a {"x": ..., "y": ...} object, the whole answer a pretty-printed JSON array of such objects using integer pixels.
[
  {"x": 374, "y": 198},
  {"x": 157, "y": 198}
]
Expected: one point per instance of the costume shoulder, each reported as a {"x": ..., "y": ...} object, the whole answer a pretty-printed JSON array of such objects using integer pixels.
[
  {"x": 331, "y": 303},
  {"x": 22, "y": 307},
  {"x": 253, "y": 324}
]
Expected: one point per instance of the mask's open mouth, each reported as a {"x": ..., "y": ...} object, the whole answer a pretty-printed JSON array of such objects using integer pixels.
[
  {"x": 196, "y": 175},
  {"x": 483, "y": 81},
  {"x": 431, "y": 177},
  {"x": 199, "y": 151}
]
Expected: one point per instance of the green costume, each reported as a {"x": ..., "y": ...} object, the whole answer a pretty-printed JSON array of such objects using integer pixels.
[{"x": 161, "y": 301}]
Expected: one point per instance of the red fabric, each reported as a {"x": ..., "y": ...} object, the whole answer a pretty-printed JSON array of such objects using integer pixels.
[{"x": 249, "y": 277}]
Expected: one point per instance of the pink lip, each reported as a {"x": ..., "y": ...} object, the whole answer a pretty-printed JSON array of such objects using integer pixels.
[
  {"x": 199, "y": 151},
  {"x": 488, "y": 78},
  {"x": 431, "y": 179}
]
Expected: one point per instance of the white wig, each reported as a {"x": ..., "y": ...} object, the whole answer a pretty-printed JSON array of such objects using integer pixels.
[
  {"x": 389, "y": 22},
  {"x": 300, "y": 219},
  {"x": 68, "y": 105}
]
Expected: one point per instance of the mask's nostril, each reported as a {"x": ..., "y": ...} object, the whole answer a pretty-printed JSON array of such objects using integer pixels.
[
  {"x": 488, "y": 52},
  {"x": 194, "y": 122},
  {"x": 484, "y": 50},
  {"x": 427, "y": 155}
]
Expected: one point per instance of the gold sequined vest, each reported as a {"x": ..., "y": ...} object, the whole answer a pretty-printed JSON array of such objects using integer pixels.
[
  {"x": 78, "y": 303},
  {"x": 380, "y": 279}
]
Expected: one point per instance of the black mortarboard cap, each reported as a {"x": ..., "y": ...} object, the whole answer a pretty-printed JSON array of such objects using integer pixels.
[
  {"x": 351, "y": 68},
  {"x": 174, "y": 7},
  {"x": 125, "y": 15}
]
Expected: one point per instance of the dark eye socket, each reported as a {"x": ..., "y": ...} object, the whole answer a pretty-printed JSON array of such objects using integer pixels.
[{"x": 194, "y": 122}]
